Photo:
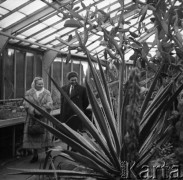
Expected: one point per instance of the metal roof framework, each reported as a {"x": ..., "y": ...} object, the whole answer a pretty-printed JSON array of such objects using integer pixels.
[{"x": 38, "y": 24}]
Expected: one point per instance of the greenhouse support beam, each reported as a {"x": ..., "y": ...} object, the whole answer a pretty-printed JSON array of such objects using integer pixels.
[{"x": 43, "y": 46}]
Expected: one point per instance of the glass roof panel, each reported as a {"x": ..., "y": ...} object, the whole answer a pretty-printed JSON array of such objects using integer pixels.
[
  {"x": 92, "y": 39},
  {"x": 51, "y": 20},
  {"x": 66, "y": 31},
  {"x": 16, "y": 16},
  {"x": 12, "y": 4},
  {"x": 102, "y": 4},
  {"x": 3, "y": 11},
  {"x": 44, "y": 33},
  {"x": 88, "y": 2},
  {"x": 61, "y": 25},
  {"x": 98, "y": 49},
  {"x": 151, "y": 38},
  {"x": 32, "y": 7},
  {"x": 113, "y": 7},
  {"x": 44, "y": 41},
  {"x": 55, "y": 42},
  {"x": 34, "y": 29},
  {"x": 32, "y": 39},
  {"x": 93, "y": 45}
]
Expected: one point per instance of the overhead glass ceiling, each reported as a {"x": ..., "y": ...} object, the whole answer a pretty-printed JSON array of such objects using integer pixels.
[{"x": 37, "y": 23}]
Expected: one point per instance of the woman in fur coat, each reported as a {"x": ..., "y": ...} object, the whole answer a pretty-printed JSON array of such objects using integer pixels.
[{"x": 42, "y": 98}]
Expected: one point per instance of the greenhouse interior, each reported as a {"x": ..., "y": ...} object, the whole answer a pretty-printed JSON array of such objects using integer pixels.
[{"x": 91, "y": 89}]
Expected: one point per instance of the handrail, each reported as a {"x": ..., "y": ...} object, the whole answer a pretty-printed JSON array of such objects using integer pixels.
[{"x": 10, "y": 100}]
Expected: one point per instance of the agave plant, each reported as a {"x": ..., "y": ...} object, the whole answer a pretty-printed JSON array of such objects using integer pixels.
[{"x": 118, "y": 146}]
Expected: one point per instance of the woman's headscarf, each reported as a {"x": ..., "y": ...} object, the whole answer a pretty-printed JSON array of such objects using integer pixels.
[{"x": 34, "y": 83}]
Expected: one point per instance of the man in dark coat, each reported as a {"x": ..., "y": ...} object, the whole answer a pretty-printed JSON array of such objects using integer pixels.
[{"x": 78, "y": 95}]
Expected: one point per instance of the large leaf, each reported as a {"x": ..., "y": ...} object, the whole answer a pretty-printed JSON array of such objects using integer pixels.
[
  {"x": 78, "y": 147},
  {"x": 151, "y": 89},
  {"x": 103, "y": 124},
  {"x": 89, "y": 163},
  {"x": 105, "y": 105},
  {"x": 150, "y": 149},
  {"x": 80, "y": 144},
  {"x": 104, "y": 81},
  {"x": 61, "y": 173},
  {"x": 64, "y": 128},
  {"x": 88, "y": 124},
  {"x": 150, "y": 121}
]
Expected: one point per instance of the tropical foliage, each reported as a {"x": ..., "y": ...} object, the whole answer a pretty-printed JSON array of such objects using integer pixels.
[{"x": 134, "y": 133}]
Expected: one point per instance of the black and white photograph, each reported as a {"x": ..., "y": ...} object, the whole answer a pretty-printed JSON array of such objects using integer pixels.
[{"x": 91, "y": 89}]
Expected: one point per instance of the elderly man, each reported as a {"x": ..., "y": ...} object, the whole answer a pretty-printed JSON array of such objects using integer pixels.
[{"x": 78, "y": 95}]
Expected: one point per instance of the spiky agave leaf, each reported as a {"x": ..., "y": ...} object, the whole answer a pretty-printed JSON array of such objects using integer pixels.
[
  {"x": 105, "y": 103},
  {"x": 76, "y": 144},
  {"x": 151, "y": 89},
  {"x": 62, "y": 173},
  {"x": 106, "y": 108},
  {"x": 157, "y": 108},
  {"x": 104, "y": 82},
  {"x": 89, "y": 125},
  {"x": 62, "y": 127},
  {"x": 81, "y": 146},
  {"x": 148, "y": 150},
  {"x": 101, "y": 119},
  {"x": 89, "y": 163}
]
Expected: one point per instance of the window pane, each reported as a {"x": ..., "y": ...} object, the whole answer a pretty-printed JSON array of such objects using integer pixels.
[
  {"x": 39, "y": 65},
  {"x": 76, "y": 67},
  {"x": 8, "y": 73},
  {"x": 20, "y": 69},
  {"x": 56, "y": 77},
  {"x": 66, "y": 69},
  {"x": 29, "y": 75}
]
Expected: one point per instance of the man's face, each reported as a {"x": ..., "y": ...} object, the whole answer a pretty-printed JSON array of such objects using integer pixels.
[{"x": 73, "y": 80}]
